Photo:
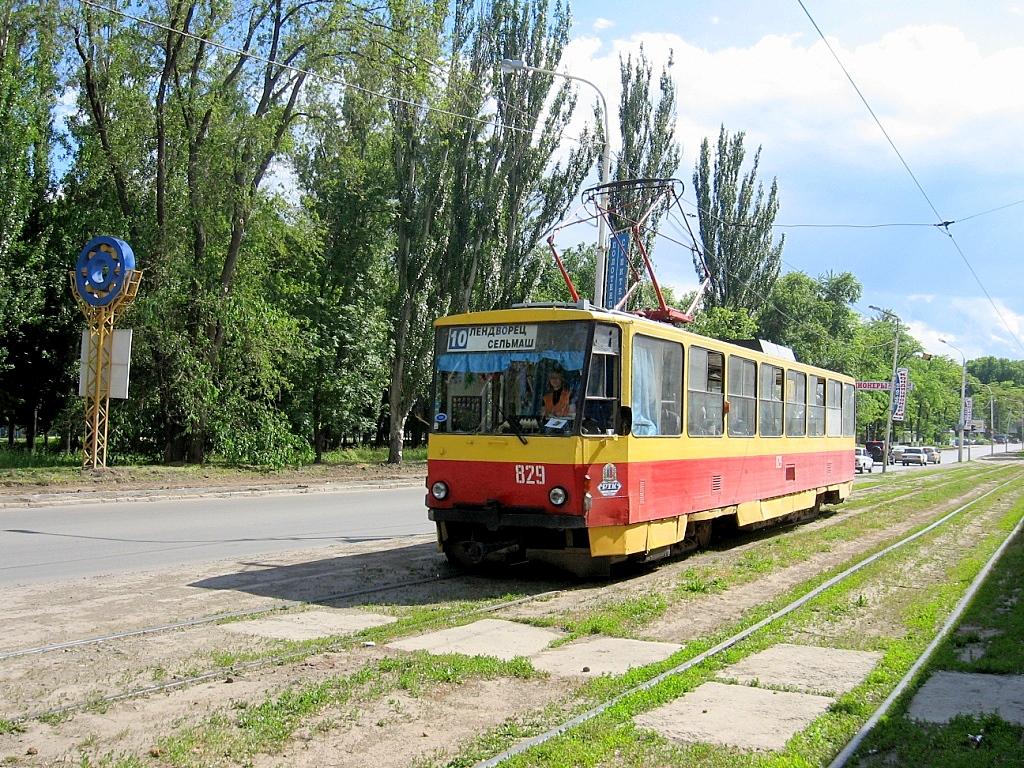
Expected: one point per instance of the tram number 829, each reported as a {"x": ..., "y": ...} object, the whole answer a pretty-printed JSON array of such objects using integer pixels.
[{"x": 530, "y": 474}]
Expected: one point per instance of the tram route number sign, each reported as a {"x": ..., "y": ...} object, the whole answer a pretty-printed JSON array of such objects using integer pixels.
[{"x": 493, "y": 338}]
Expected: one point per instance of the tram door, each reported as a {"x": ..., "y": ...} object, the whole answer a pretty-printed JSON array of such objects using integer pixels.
[{"x": 601, "y": 406}]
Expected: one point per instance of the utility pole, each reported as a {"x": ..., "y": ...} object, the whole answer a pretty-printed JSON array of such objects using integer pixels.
[{"x": 892, "y": 385}]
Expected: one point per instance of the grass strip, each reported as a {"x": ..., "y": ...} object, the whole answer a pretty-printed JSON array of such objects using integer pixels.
[
  {"x": 611, "y": 738},
  {"x": 982, "y": 741}
]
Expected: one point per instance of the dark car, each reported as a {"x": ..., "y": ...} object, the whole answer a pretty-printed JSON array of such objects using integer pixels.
[{"x": 877, "y": 449}]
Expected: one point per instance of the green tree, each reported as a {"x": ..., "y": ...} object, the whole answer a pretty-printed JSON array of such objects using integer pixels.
[
  {"x": 736, "y": 221},
  {"x": 814, "y": 318},
  {"x": 175, "y": 142},
  {"x": 36, "y": 334}
]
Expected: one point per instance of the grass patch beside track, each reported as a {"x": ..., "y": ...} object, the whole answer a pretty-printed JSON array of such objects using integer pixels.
[
  {"x": 610, "y": 739},
  {"x": 900, "y": 741},
  {"x": 228, "y": 738}
]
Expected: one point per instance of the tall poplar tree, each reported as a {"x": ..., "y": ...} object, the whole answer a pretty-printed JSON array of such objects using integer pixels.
[{"x": 736, "y": 218}]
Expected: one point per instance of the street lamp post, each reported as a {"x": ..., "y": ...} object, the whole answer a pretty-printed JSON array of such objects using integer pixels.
[
  {"x": 518, "y": 65},
  {"x": 963, "y": 396},
  {"x": 892, "y": 384}
]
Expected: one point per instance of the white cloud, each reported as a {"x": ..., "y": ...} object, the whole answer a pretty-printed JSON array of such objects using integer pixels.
[
  {"x": 601, "y": 24},
  {"x": 980, "y": 331},
  {"x": 940, "y": 97}
]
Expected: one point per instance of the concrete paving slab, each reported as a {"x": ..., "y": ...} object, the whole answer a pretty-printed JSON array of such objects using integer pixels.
[
  {"x": 310, "y": 625},
  {"x": 971, "y": 652},
  {"x": 805, "y": 667},
  {"x": 601, "y": 656},
  {"x": 487, "y": 637},
  {"x": 982, "y": 633},
  {"x": 735, "y": 716},
  {"x": 948, "y": 694}
]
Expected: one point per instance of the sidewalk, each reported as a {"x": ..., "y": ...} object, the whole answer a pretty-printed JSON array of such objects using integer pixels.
[{"x": 122, "y": 486}]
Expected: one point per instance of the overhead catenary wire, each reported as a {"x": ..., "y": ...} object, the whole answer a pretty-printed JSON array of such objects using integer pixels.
[{"x": 943, "y": 223}]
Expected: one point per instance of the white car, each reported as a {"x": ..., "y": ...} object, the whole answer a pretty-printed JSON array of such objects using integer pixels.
[
  {"x": 914, "y": 456},
  {"x": 863, "y": 460}
]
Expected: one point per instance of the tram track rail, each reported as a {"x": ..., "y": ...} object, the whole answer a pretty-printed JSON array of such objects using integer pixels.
[
  {"x": 593, "y": 712},
  {"x": 197, "y": 622},
  {"x": 221, "y": 672},
  {"x": 280, "y": 659},
  {"x": 848, "y": 751},
  {"x": 285, "y": 605}
]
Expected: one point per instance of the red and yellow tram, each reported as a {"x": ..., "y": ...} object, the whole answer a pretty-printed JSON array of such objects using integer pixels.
[{"x": 665, "y": 432}]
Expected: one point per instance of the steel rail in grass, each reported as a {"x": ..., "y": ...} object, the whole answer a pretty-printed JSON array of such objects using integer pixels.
[
  {"x": 590, "y": 714},
  {"x": 284, "y": 604},
  {"x": 847, "y": 752}
]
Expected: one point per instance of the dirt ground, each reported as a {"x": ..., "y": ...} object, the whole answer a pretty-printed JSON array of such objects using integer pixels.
[
  {"x": 65, "y": 485},
  {"x": 398, "y": 730}
]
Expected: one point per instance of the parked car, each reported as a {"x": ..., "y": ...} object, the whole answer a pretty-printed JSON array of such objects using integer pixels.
[
  {"x": 863, "y": 461},
  {"x": 896, "y": 453},
  {"x": 913, "y": 455},
  {"x": 876, "y": 448},
  {"x": 934, "y": 454}
]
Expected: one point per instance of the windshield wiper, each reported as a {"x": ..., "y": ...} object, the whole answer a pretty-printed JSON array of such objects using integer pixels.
[{"x": 513, "y": 422}]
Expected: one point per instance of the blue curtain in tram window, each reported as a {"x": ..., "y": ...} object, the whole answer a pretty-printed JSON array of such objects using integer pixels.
[
  {"x": 646, "y": 389},
  {"x": 496, "y": 362}
]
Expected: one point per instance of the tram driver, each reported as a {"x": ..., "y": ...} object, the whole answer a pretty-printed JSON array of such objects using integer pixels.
[{"x": 558, "y": 399}]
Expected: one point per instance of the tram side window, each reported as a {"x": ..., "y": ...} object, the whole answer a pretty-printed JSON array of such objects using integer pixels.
[
  {"x": 657, "y": 386},
  {"x": 849, "y": 410},
  {"x": 706, "y": 395},
  {"x": 742, "y": 396},
  {"x": 816, "y": 406},
  {"x": 771, "y": 400},
  {"x": 601, "y": 404},
  {"x": 834, "y": 409},
  {"x": 796, "y": 399}
]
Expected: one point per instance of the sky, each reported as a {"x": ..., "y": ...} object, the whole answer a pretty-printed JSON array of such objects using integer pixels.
[{"x": 945, "y": 79}]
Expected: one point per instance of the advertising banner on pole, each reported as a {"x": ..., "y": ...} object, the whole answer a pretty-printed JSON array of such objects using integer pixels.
[
  {"x": 616, "y": 277},
  {"x": 968, "y": 415},
  {"x": 899, "y": 394}
]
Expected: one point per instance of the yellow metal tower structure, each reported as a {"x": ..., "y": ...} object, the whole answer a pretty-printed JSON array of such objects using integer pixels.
[{"x": 104, "y": 283}]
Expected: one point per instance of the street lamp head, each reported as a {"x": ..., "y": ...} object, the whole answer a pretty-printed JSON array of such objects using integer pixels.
[
  {"x": 877, "y": 309},
  {"x": 509, "y": 66}
]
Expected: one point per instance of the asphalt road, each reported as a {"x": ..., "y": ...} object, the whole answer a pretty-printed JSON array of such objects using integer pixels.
[
  {"x": 949, "y": 456},
  {"x": 54, "y": 543}
]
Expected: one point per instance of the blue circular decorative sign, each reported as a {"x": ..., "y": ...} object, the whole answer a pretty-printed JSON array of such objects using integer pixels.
[{"x": 102, "y": 270}]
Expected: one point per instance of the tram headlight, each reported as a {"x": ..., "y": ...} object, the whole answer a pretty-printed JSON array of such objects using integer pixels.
[
  {"x": 557, "y": 496},
  {"x": 439, "y": 490}
]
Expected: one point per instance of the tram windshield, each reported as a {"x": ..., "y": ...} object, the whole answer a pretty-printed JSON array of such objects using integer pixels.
[{"x": 521, "y": 379}]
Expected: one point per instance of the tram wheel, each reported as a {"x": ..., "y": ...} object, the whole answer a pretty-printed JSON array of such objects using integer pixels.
[{"x": 466, "y": 555}]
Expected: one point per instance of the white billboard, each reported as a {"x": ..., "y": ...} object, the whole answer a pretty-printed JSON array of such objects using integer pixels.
[{"x": 120, "y": 345}]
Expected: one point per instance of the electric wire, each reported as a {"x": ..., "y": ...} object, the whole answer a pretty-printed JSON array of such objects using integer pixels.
[{"x": 943, "y": 223}]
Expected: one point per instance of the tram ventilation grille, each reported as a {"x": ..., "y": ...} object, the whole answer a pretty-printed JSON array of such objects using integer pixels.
[
  {"x": 643, "y": 491},
  {"x": 716, "y": 483},
  {"x": 828, "y": 468}
]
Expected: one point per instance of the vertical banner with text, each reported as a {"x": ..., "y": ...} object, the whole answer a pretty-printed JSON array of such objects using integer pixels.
[
  {"x": 616, "y": 276},
  {"x": 899, "y": 394}
]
